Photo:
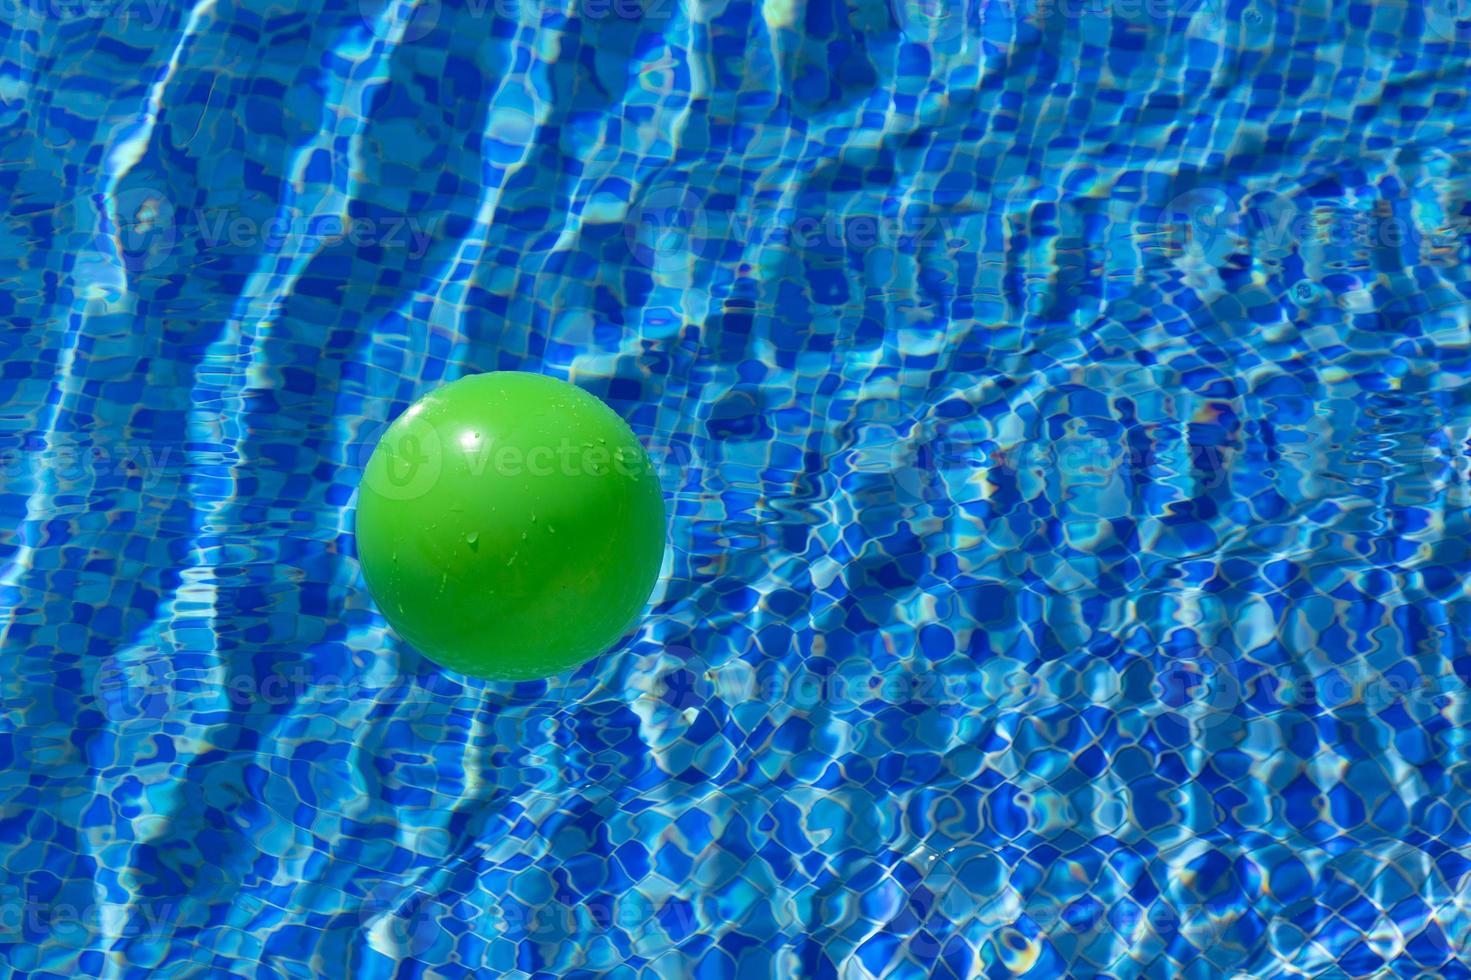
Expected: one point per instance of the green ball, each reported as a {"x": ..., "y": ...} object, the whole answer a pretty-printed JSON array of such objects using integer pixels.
[{"x": 510, "y": 526}]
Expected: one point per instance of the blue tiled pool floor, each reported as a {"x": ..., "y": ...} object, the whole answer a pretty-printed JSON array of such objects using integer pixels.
[{"x": 1062, "y": 410}]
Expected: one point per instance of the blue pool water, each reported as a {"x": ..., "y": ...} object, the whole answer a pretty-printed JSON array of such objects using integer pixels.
[{"x": 1062, "y": 410}]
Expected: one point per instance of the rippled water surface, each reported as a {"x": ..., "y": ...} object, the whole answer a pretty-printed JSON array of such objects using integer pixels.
[{"x": 1062, "y": 411}]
